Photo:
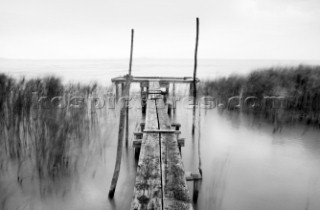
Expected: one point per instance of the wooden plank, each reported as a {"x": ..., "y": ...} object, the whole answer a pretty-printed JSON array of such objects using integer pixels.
[
  {"x": 151, "y": 116},
  {"x": 160, "y": 79},
  {"x": 192, "y": 176},
  {"x": 174, "y": 184},
  {"x": 148, "y": 188},
  {"x": 161, "y": 131},
  {"x": 136, "y": 143},
  {"x": 154, "y": 90},
  {"x": 154, "y": 85},
  {"x": 160, "y": 182}
]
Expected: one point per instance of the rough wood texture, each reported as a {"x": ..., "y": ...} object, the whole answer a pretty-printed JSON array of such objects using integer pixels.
[
  {"x": 154, "y": 90},
  {"x": 147, "y": 190},
  {"x": 117, "y": 166},
  {"x": 165, "y": 79},
  {"x": 124, "y": 112},
  {"x": 162, "y": 131},
  {"x": 160, "y": 182},
  {"x": 174, "y": 185}
]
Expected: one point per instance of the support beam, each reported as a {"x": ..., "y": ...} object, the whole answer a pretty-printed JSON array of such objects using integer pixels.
[{"x": 184, "y": 80}]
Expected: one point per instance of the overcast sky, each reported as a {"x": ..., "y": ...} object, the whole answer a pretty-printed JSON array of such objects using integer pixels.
[{"x": 229, "y": 29}]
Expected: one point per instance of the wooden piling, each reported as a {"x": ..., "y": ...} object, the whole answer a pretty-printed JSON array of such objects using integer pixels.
[
  {"x": 120, "y": 132},
  {"x": 119, "y": 154},
  {"x": 196, "y": 184},
  {"x": 117, "y": 90},
  {"x": 196, "y": 178},
  {"x": 169, "y": 109},
  {"x": 144, "y": 86},
  {"x": 174, "y": 89},
  {"x": 196, "y": 61},
  {"x": 128, "y": 83},
  {"x": 195, "y": 75},
  {"x": 142, "y": 126}
]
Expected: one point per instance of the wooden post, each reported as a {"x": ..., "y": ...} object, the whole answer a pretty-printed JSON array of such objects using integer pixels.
[
  {"x": 127, "y": 121},
  {"x": 137, "y": 144},
  {"x": 117, "y": 91},
  {"x": 119, "y": 154},
  {"x": 174, "y": 89},
  {"x": 196, "y": 61},
  {"x": 195, "y": 77},
  {"x": 199, "y": 140},
  {"x": 174, "y": 98},
  {"x": 120, "y": 132},
  {"x": 196, "y": 183},
  {"x": 196, "y": 188},
  {"x": 128, "y": 83},
  {"x": 196, "y": 178},
  {"x": 191, "y": 89},
  {"x": 131, "y": 51},
  {"x": 144, "y": 95},
  {"x": 167, "y": 93},
  {"x": 142, "y": 126},
  {"x": 169, "y": 109}
]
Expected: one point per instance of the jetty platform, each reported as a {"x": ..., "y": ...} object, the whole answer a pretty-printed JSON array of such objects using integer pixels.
[{"x": 161, "y": 181}]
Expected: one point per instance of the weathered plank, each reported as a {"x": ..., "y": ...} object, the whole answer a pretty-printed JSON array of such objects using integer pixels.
[
  {"x": 136, "y": 143},
  {"x": 160, "y": 181},
  {"x": 151, "y": 116},
  {"x": 154, "y": 90},
  {"x": 161, "y": 79},
  {"x": 161, "y": 131},
  {"x": 174, "y": 185},
  {"x": 148, "y": 188}
]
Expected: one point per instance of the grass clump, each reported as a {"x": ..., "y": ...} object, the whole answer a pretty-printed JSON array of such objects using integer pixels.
[{"x": 44, "y": 125}]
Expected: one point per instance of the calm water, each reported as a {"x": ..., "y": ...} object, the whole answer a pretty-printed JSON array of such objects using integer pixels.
[
  {"x": 102, "y": 70},
  {"x": 245, "y": 166}
]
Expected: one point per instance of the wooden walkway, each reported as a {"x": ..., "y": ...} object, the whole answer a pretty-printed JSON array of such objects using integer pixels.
[{"x": 160, "y": 181}]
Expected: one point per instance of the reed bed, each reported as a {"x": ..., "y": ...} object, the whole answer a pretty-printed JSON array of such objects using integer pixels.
[
  {"x": 45, "y": 130},
  {"x": 298, "y": 87}
]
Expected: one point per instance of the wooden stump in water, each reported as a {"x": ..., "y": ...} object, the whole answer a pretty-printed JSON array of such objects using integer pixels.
[{"x": 169, "y": 109}]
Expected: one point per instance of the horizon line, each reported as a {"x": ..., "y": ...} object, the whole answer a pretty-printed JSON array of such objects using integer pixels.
[{"x": 160, "y": 58}]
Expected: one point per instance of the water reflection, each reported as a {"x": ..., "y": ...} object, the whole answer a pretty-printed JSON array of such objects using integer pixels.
[
  {"x": 245, "y": 166},
  {"x": 262, "y": 170}
]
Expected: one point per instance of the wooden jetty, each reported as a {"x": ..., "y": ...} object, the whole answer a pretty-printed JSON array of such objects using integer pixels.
[{"x": 161, "y": 182}]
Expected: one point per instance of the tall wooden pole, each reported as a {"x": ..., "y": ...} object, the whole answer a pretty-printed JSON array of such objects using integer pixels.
[
  {"x": 128, "y": 83},
  {"x": 195, "y": 76},
  {"x": 199, "y": 138},
  {"x": 131, "y": 51},
  {"x": 121, "y": 129},
  {"x": 196, "y": 183},
  {"x": 196, "y": 61}
]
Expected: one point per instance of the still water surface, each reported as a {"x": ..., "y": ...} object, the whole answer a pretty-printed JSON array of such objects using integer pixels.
[{"x": 245, "y": 166}]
